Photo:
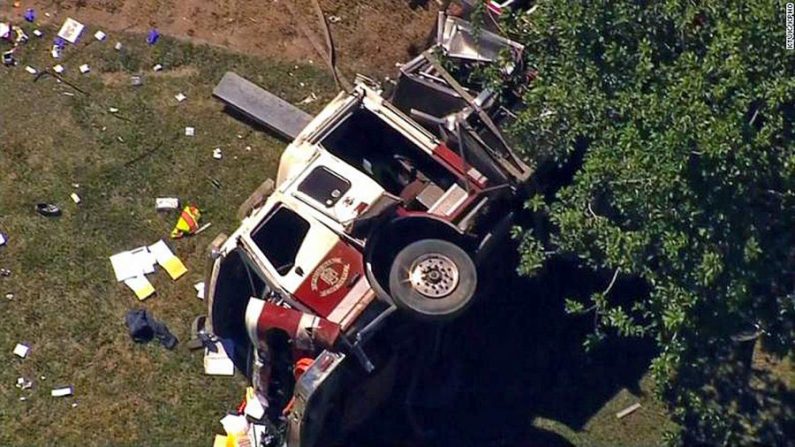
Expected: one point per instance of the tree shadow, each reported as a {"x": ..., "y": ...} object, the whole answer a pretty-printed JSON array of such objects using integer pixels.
[{"x": 512, "y": 357}]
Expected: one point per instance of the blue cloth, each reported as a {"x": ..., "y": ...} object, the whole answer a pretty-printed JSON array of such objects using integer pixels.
[{"x": 143, "y": 327}]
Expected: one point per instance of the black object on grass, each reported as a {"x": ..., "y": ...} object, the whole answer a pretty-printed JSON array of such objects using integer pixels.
[{"x": 48, "y": 210}]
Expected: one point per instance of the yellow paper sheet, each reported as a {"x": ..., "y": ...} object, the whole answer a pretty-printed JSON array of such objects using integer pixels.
[
  {"x": 141, "y": 286},
  {"x": 166, "y": 258}
]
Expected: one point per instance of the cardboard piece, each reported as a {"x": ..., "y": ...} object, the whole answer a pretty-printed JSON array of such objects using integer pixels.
[
  {"x": 190, "y": 131},
  {"x": 85, "y": 68},
  {"x": 58, "y": 68},
  {"x": 21, "y": 350},
  {"x": 75, "y": 198},
  {"x": 166, "y": 258},
  {"x": 31, "y": 70},
  {"x": 141, "y": 286},
  {"x": 71, "y": 30},
  {"x": 180, "y": 97},
  {"x": 99, "y": 35}
]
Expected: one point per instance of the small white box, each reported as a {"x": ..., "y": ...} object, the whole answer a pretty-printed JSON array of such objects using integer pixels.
[
  {"x": 62, "y": 392},
  {"x": 58, "y": 69},
  {"x": 31, "y": 70},
  {"x": 199, "y": 286},
  {"x": 99, "y": 35},
  {"x": 118, "y": 46},
  {"x": 166, "y": 203},
  {"x": 37, "y": 33},
  {"x": 21, "y": 350},
  {"x": 113, "y": 110},
  {"x": 75, "y": 198},
  {"x": 190, "y": 131},
  {"x": 180, "y": 97},
  {"x": 157, "y": 67},
  {"x": 85, "y": 68},
  {"x": 217, "y": 154}
]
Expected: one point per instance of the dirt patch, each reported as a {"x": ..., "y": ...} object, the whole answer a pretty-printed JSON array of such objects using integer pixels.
[{"x": 370, "y": 36}]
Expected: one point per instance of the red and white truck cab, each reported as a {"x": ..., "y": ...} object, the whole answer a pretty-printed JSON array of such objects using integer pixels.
[{"x": 381, "y": 205}]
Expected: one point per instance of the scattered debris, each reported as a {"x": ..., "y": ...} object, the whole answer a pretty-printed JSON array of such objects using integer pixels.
[
  {"x": 75, "y": 198},
  {"x": 56, "y": 52},
  {"x": 99, "y": 35},
  {"x": 58, "y": 69},
  {"x": 113, "y": 110},
  {"x": 118, "y": 46},
  {"x": 62, "y": 391},
  {"x": 167, "y": 259},
  {"x": 180, "y": 97},
  {"x": 188, "y": 222},
  {"x": 24, "y": 384},
  {"x": 85, "y": 68},
  {"x": 31, "y": 70},
  {"x": 166, "y": 203},
  {"x": 217, "y": 154},
  {"x": 5, "y": 30},
  {"x": 30, "y": 15},
  {"x": 5, "y": 273},
  {"x": 254, "y": 406},
  {"x": 141, "y": 286},
  {"x": 9, "y": 296},
  {"x": 37, "y": 33},
  {"x": 71, "y": 30},
  {"x": 8, "y": 58},
  {"x": 48, "y": 210},
  {"x": 334, "y": 19},
  {"x": 627, "y": 411},
  {"x": 157, "y": 67},
  {"x": 309, "y": 99},
  {"x": 131, "y": 267},
  {"x": 190, "y": 131},
  {"x": 218, "y": 363},
  {"x": 153, "y": 36},
  {"x": 136, "y": 81},
  {"x": 199, "y": 286},
  {"x": 21, "y": 350},
  {"x": 143, "y": 327}
]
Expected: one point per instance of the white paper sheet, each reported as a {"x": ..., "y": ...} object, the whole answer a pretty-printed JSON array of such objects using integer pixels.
[{"x": 124, "y": 265}]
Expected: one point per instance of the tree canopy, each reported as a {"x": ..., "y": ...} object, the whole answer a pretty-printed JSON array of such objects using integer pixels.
[{"x": 677, "y": 117}]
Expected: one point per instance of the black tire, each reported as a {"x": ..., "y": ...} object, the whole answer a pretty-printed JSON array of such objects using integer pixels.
[{"x": 459, "y": 294}]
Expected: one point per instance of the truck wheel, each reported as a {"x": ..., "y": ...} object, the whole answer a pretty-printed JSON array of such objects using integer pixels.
[{"x": 433, "y": 279}]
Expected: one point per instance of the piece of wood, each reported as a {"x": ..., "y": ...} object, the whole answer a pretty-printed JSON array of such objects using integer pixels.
[
  {"x": 627, "y": 411},
  {"x": 261, "y": 106}
]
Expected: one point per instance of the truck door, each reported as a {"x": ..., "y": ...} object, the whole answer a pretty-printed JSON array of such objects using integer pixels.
[{"x": 311, "y": 262}]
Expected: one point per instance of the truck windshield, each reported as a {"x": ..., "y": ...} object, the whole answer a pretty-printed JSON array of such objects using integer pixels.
[{"x": 280, "y": 237}]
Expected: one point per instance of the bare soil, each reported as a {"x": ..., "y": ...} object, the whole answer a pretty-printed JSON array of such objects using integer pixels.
[{"x": 370, "y": 35}]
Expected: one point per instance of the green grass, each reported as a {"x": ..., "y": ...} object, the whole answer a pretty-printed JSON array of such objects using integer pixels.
[{"x": 67, "y": 305}]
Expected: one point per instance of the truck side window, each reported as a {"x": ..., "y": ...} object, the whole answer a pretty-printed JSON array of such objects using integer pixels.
[
  {"x": 280, "y": 237},
  {"x": 324, "y": 186}
]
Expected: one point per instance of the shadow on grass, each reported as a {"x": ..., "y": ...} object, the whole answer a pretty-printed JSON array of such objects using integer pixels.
[{"x": 514, "y": 356}]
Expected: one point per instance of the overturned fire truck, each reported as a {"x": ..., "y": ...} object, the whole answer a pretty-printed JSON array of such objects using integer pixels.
[{"x": 385, "y": 206}]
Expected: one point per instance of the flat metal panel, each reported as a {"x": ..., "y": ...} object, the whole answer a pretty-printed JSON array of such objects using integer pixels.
[{"x": 261, "y": 106}]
